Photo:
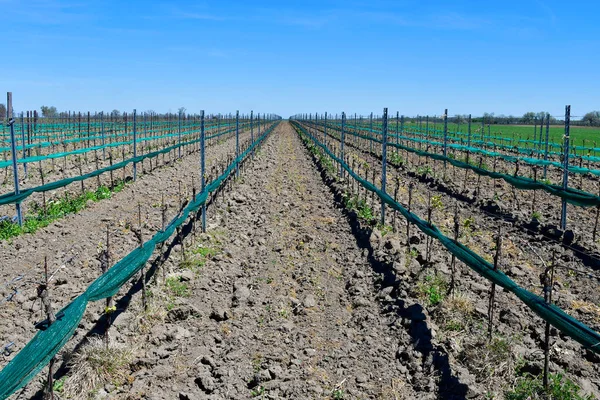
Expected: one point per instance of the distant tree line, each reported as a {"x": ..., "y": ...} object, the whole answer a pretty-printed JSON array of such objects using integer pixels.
[{"x": 592, "y": 118}]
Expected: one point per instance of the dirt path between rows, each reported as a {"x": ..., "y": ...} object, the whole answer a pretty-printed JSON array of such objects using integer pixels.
[{"x": 286, "y": 309}]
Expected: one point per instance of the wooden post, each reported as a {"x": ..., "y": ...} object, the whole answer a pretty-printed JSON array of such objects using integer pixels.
[
  {"x": 497, "y": 258},
  {"x": 44, "y": 295},
  {"x": 453, "y": 262},
  {"x": 410, "y": 192},
  {"x": 548, "y": 284}
]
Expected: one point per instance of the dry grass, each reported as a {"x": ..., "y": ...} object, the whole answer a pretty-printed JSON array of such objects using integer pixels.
[
  {"x": 97, "y": 364},
  {"x": 587, "y": 308},
  {"x": 489, "y": 360},
  {"x": 395, "y": 391},
  {"x": 459, "y": 303},
  {"x": 455, "y": 314}
]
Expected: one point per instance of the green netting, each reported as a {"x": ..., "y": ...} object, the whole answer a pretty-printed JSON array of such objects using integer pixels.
[
  {"x": 550, "y": 313},
  {"x": 462, "y": 147},
  {"x": 184, "y": 135},
  {"x": 64, "y": 131},
  {"x": 45, "y": 344},
  {"x": 12, "y": 197},
  {"x": 142, "y": 136},
  {"x": 476, "y": 141},
  {"x": 572, "y": 196},
  {"x": 456, "y": 135}
]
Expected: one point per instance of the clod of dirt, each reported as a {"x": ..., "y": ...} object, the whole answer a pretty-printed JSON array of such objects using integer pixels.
[
  {"x": 219, "y": 314},
  {"x": 206, "y": 383},
  {"x": 310, "y": 301},
  {"x": 182, "y": 312},
  {"x": 241, "y": 293}
]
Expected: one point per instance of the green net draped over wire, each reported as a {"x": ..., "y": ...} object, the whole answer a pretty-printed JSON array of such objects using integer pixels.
[{"x": 572, "y": 196}]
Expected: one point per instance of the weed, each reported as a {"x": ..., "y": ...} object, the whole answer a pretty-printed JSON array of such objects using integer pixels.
[
  {"x": 257, "y": 361},
  {"x": 205, "y": 251},
  {"x": 412, "y": 254},
  {"x": 559, "y": 388},
  {"x": 424, "y": 170},
  {"x": 55, "y": 209},
  {"x": 432, "y": 290},
  {"x": 364, "y": 210},
  {"x": 337, "y": 394},
  {"x": 396, "y": 159},
  {"x": 258, "y": 391},
  {"x": 384, "y": 229},
  {"x": 177, "y": 288},
  {"x": 468, "y": 223},
  {"x": 59, "y": 385},
  {"x": 436, "y": 202},
  {"x": 536, "y": 215},
  {"x": 454, "y": 326}
]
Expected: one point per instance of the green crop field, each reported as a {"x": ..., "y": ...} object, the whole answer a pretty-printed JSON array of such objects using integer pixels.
[{"x": 578, "y": 133}]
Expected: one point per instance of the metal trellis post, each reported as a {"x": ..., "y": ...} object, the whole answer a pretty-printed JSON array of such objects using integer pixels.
[
  {"x": 384, "y": 160},
  {"x": 563, "y": 217},
  {"x": 237, "y": 143},
  {"x": 202, "y": 168},
  {"x": 134, "y": 146},
  {"x": 547, "y": 142},
  {"x": 13, "y": 146},
  {"x": 445, "y": 133},
  {"x": 343, "y": 137}
]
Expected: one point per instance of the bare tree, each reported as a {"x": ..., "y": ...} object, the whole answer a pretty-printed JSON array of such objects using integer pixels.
[{"x": 2, "y": 111}]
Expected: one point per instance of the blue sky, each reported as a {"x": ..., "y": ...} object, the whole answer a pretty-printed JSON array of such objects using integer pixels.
[{"x": 416, "y": 57}]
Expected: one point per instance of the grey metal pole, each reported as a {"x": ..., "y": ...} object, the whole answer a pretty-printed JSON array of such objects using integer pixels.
[
  {"x": 547, "y": 140},
  {"x": 539, "y": 146},
  {"x": 202, "y": 168},
  {"x": 482, "y": 129},
  {"x": 252, "y": 130},
  {"x": 134, "y": 146},
  {"x": 384, "y": 160},
  {"x": 237, "y": 143},
  {"x": 445, "y": 133},
  {"x": 469, "y": 140},
  {"x": 343, "y": 137},
  {"x": 563, "y": 217},
  {"x": 371, "y": 131},
  {"x": 102, "y": 134},
  {"x": 13, "y": 146},
  {"x": 534, "y": 130},
  {"x": 325, "y": 130},
  {"x": 23, "y": 142},
  {"x": 178, "y": 133},
  {"x": 397, "y": 132}
]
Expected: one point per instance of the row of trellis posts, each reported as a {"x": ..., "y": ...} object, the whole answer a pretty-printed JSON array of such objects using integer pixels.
[{"x": 547, "y": 278}]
